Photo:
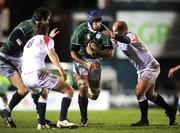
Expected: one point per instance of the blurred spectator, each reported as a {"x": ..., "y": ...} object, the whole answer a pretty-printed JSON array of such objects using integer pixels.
[{"x": 174, "y": 73}]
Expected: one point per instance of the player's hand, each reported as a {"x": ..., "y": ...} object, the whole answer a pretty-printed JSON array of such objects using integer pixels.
[
  {"x": 108, "y": 33},
  {"x": 90, "y": 65},
  {"x": 171, "y": 72},
  {"x": 92, "y": 48},
  {"x": 54, "y": 32},
  {"x": 63, "y": 74}
]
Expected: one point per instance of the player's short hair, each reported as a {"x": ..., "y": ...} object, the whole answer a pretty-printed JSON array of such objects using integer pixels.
[
  {"x": 41, "y": 28},
  {"x": 121, "y": 26},
  {"x": 94, "y": 15},
  {"x": 41, "y": 13}
]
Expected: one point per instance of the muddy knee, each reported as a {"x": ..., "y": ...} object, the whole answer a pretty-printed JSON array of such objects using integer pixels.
[
  {"x": 82, "y": 84},
  {"x": 93, "y": 93}
]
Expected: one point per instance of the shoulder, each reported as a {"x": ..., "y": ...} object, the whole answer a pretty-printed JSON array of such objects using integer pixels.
[
  {"x": 134, "y": 38},
  {"x": 48, "y": 41},
  {"x": 103, "y": 28},
  {"x": 81, "y": 28},
  {"x": 26, "y": 23},
  {"x": 25, "y": 26}
]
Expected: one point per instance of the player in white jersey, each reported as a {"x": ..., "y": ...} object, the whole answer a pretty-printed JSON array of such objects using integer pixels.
[
  {"x": 174, "y": 73},
  {"x": 38, "y": 79},
  {"x": 148, "y": 70}
]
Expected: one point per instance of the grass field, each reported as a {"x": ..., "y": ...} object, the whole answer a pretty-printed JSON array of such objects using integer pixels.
[{"x": 112, "y": 121}]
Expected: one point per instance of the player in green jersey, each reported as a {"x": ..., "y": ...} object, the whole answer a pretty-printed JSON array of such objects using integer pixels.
[
  {"x": 87, "y": 59},
  {"x": 10, "y": 58}
]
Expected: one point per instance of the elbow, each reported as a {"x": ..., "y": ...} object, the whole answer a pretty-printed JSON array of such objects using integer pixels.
[{"x": 73, "y": 54}]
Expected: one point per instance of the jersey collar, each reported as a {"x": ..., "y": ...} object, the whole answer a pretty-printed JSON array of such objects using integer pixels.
[{"x": 90, "y": 28}]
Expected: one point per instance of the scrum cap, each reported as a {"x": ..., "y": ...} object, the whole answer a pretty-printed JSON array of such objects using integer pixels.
[{"x": 94, "y": 15}]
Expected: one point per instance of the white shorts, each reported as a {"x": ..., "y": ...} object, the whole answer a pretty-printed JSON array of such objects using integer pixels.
[
  {"x": 79, "y": 69},
  {"x": 149, "y": 74},
  {"x": 40, "y": 79},
  {"x": 9, "y": 64}
]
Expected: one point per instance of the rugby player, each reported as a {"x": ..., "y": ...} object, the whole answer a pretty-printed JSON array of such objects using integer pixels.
[
  {"x": 148, "y": 70},
  {"x": 87, "y": 65},
  {"x": 11, "y": 54},
  {"x": 172, "y": 73},
  {"x": 37, "y": 76}
]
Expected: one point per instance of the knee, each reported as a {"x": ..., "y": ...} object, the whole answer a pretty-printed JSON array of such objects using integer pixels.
[
  {"x": 139, "y": 94},
  {"x": 93, "y": 94},
  {"x": 152, "y": 97},
  {"x": 82, "y": 84},
  {"x": 23, "y": 91},
  {"x": 44, "y": 93},
  {"x": 70, "y": 91}
]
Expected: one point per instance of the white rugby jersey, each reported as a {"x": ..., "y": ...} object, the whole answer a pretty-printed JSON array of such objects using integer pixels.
[
  {"x": 137, "y": 53},
  {"x": 35, "y": 52}
]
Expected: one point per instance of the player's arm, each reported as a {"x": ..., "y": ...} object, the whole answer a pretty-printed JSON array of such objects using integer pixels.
[
  {"x": 122, "y": 38},
  {"x": 108, "y": 52},
  {"x": 173, "y": 70},
  {"x": 77, "y": 57},
  {"x": 18, "y": 36},
  {"x": 117, "y": 37},
  {"x": 55, "y": 60}
]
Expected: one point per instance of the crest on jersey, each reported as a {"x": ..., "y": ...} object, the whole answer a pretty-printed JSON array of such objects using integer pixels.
[{"x": 98, "y": 35}]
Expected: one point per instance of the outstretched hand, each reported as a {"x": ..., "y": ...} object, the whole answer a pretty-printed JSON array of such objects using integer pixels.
[
  {"x": 171, "y": 72},
  {"x": 54, "y": 32},
  {"x": 63, "y": 74},
  {"x": 90, "y": 65}
]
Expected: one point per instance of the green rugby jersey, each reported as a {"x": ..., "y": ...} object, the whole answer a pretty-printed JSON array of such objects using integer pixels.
[
  {"x": 18, "y": 38},
  {"x": 83, "y": 34}
]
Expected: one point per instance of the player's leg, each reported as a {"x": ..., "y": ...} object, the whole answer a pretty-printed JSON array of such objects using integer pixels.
[
  {"x": 41, "y": 108},
  {"x": 83, "y": 98},
  {"x": 35, "y": 97},
  {"x": 94, "y": 89},
  {"x": 159, "y": 100},
  {"x": 94, "y": 78},
  {"x": 16, "y": 98},
  {"x": 140, "y": 90},
  {"x": 21, "y": 92},
  {"x": 68, "y": 92}
]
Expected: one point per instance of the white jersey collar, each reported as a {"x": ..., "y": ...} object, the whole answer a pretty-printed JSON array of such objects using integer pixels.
[{"x": 91, "y": 29}]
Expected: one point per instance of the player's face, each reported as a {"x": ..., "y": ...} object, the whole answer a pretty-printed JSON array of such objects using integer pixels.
[
  {"x": 96, "y": 25},
  {"x": 48, "y": 19},
  {"x": 115, "y": 29}
]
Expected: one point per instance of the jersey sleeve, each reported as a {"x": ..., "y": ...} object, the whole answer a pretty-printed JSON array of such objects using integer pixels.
[
  {"x": 17, "y": 37},
  {"x": 76, "y": 39},
  {"x": 134, "y": 39},
  {"x": 122, "y": 38},
  {"x": 106, "y": 41}
]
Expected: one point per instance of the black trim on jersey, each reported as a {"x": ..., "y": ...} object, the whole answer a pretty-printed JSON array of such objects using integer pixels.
[
  {"x": 18, "y": 34},
  {"x": 75, "y": 47},
  {"x": 122, "y": 38}
]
